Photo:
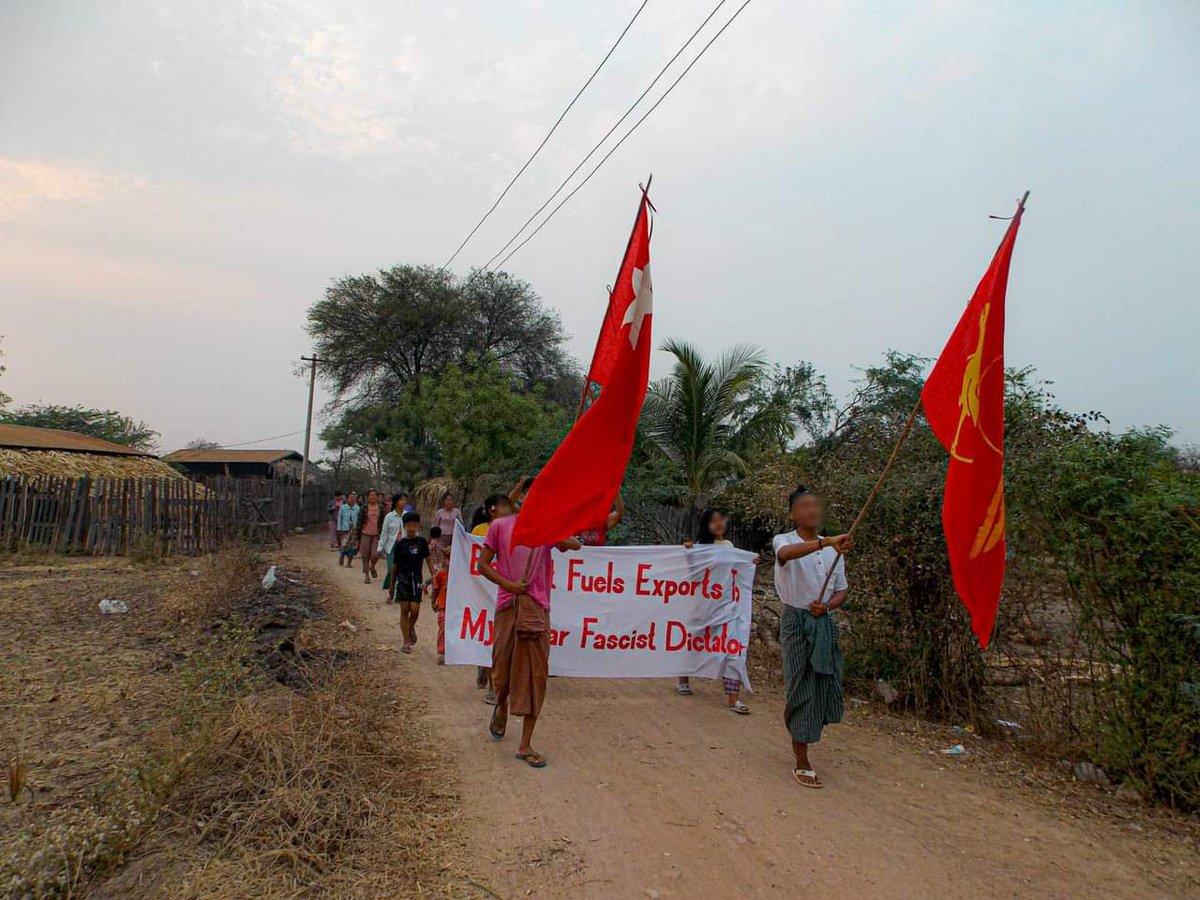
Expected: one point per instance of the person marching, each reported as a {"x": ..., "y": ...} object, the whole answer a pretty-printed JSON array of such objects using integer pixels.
[
  {"x": 347, "y": 521},
  {"x": 332, "y": 509},
  {"x": 441, "y": 578},
  {"x": 714, "y": 525},
  {"x": 598, "y": 536},
  {"x": 393, "y": 526},
  {"x": 370, "y": 524},
  {"x": 494, "y": 506},
  {"x": 521, "y": 641},
  {"x": 411, "y": 554},
  {"x": 446, "y": 515},
  {"x": 812, "y": 660}
]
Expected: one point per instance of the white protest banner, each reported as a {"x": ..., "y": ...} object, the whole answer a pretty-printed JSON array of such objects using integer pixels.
[{"x": 619, "y": 612}]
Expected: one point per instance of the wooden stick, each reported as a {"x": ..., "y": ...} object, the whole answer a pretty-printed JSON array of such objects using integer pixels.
[{"x": 908, "y": 425}]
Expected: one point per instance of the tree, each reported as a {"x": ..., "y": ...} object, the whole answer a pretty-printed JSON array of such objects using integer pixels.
[
  {"x": 481, "y": 423},
  {"x": 380, "y": 334},
  {"x": 701, "y": 416},
  {"x": 106, "y": 424},
  {"x": 202, "y": 444}
]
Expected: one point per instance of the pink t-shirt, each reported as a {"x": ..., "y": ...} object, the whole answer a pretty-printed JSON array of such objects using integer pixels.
[{"x": 511, "y": 564}]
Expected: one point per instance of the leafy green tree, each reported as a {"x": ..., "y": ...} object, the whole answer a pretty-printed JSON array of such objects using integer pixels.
[
  {"x": 379, "y": 335},
  {"x": 481, "y": 424},
  {"x": 107, "y": 424},
  {"x": 202, "y": 444}
]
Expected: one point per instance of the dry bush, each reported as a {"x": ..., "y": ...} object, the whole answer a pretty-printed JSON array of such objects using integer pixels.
[
  {"x": 216, "y": 581},
  {"x": 329, "y": 790}
]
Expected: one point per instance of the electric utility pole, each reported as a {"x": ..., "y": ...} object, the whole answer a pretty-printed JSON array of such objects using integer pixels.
[{"x": 312, "y": 389}]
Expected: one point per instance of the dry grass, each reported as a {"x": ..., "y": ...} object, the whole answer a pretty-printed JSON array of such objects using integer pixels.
[
  {"x": 329, "y": 793},
  {"x": 157, "y": 757}
]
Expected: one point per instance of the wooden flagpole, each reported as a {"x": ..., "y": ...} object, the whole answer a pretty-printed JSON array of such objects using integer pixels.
[
  {"x": 587, "y": 381},
  {"x": 908, "y": 425}
]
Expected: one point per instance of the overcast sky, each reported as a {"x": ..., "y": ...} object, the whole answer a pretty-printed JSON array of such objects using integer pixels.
[{"x": 179, "y": 181}]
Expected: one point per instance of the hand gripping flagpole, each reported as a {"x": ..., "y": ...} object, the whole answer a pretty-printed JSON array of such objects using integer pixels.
[
  {"x": 908, "y": 426},
  {"x": 587, "y": 383}
]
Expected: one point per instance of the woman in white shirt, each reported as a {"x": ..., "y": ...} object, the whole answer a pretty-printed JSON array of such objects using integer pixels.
[
  {"x": 393, "y": 524},
  {"x": 812, "y": 661}
]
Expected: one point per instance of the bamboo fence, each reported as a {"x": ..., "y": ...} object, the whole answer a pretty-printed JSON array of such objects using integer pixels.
[{"x": 161, "y": 516}]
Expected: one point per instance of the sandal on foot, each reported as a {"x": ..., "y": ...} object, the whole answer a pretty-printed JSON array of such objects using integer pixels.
[
  {"x": 533, "y": 759},
  {"x": 497, "y": 733},
  {"x": 684, "y": 689},
  {"x": 490, "y": 697},
  {"x": 807, "y": 778},
  {"x": 739, "y": 707},
  {"x": 407, "y": 648}
]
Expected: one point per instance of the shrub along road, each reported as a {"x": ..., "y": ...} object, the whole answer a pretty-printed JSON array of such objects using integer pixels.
[{"x": 648, "y": 793}]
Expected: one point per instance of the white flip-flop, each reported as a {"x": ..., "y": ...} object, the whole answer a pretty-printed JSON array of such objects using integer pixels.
[{"x": 801, "y": 774}]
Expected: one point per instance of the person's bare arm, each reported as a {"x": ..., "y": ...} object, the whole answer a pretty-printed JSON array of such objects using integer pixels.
[
  {"x": 515, "y": 494},
  {"x": 842, "y": 543},
  {"x": 488, "y": 571},
  {"x": 569, "y": 544},
  {"x": 618, "y": 513}
]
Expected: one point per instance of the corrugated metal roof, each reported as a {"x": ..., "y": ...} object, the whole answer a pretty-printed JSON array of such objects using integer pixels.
[
  {"x": 231, "y": 456},
  {"x": 26, "y": 438}
]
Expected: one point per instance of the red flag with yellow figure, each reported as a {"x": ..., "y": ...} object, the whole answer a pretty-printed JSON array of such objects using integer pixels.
[{"x": 964, "y": 403}]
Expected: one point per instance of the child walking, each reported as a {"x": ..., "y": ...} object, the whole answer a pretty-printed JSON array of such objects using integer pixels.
[
  {"x": 714, "y": 525},
  {"x": 441, "y": 578},
  {"x": 411, "y": 555},
  {"x": 812, "y": 661}
]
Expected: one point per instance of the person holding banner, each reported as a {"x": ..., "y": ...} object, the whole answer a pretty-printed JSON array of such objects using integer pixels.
[
  {"x": 521, "y": 637},
  {"x": 812, "y": 661},
  {"x": 494, "y": 506},
  {"x": 714, "y": 525}
]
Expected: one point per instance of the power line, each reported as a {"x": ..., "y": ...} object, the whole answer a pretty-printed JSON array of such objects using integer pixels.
[
  {"x": 557, "y": 122},
  {"x": 607, "y": 134},
  {"x": 273, "y": 437},
  {"x": 627, "y": 134}
]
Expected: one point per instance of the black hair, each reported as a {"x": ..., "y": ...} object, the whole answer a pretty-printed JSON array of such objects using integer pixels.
[
  {"x": 445, "y": 495},
  {"x": 479, "y": 517},
  {"x": 396, "y": 498},
  {"x": 411, "y": 517},
  {"x": 339, "y": 493},
  {"x": 491, "y": 502},
  {"x": 435, "y": 532},
  {"x": 795, "y": 495},
  {"x": 704, "y": 536},
  {"x": 528, "y": 483}
]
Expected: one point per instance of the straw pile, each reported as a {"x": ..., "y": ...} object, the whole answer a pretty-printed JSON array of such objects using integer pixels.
[{"x": 45, "y": 463}]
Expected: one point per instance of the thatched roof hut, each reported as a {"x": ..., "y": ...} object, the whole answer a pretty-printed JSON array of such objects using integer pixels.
[{"x": 44, "y": 452}]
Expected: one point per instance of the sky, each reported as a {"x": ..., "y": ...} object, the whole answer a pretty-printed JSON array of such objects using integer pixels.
[{"x": 179, "y": 181}]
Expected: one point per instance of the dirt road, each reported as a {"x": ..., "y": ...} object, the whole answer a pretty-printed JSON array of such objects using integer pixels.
[{"x": 650, "y": 794}]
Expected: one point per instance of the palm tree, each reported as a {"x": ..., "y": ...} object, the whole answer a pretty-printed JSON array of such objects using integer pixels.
[{"x": 699, "y": 418}]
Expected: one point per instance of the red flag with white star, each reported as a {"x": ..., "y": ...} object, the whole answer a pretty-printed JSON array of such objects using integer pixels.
[{"x": 577, "y": 487}]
